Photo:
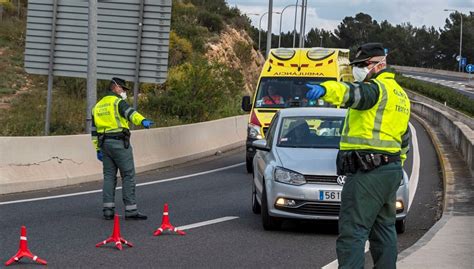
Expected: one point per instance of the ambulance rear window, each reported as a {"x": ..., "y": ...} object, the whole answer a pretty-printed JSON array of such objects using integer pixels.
[{"x": 274, "y": 92}]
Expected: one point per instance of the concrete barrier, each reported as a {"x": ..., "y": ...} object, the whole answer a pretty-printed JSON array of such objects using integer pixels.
[
  {"x": 459, "y": 116},
  {"x": 458, "y": 133},
  {"x": 429, "y": 70},
  {"x": 33, "y": 163}
]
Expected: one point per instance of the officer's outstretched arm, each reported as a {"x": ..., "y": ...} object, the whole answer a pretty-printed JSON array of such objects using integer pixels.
[
  {"x": 130, "y": 113},
  {"x": 357, "y": 95}
]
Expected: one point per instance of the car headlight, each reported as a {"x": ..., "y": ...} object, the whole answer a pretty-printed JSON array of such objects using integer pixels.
[
  {"x": 289, "y": 177},
  {"x": 254, "y": 131}
]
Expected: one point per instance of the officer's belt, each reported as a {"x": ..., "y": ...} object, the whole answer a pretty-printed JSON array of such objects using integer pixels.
[
  {"x": 349, "y": 162},
  {"x": 384, "y": 158},
  {"x": 116, "y": 136}
]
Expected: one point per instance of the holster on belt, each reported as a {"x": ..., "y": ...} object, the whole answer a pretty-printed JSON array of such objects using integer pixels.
[
  {"x": 345, "y": 163},
  {"x": 100, "y": 139},
  {"x": 126, "y": 138}
]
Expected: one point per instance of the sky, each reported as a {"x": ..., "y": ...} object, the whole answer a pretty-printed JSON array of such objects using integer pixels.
[{"x": 327, "y": 14}]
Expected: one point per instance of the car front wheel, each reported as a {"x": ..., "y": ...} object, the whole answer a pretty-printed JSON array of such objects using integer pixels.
[
  {"x": 256, "y": 208},
  {"x": 249, "y": 165},
  {"x": 269, "y": 222},
  {"x": 400, "y": 226}
]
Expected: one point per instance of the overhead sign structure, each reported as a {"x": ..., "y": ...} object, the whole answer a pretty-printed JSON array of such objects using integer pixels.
[{"x": 119, "y": 33}]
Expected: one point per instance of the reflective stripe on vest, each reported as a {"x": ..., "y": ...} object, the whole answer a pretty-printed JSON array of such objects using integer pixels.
[
  {"x": 382, "y": 126},
  {"x": 107, "y": 117}
]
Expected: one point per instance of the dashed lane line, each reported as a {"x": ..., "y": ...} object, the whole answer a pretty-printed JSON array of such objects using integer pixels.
[{"x": 205, "y": 223}]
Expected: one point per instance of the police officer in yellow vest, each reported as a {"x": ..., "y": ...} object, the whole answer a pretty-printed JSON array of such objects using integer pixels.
[
  {"x": 111, "y": 138},
  {"x": 374, "y": 143}
]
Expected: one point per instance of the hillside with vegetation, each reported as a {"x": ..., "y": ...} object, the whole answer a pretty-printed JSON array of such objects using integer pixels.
[{"x": 212, "y": 64}]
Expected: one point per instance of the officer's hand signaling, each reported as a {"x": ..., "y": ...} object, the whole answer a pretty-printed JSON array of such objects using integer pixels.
[
  {"x": 316, "y": 91},
  {"x": 100, "y": 156},
  {"x": 147, "y": 123}
]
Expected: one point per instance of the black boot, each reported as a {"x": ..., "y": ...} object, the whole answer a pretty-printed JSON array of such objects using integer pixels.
[{"x": 138, "y": 216}]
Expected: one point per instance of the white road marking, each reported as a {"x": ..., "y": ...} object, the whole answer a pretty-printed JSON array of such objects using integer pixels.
[
  {"x": 334, "y": 264},
  {"x": 413, "y": 183},
  {"x": 138, "y": 185},
  {"x": 415, "y": 171},
  {"x": 204, "y": 223}
]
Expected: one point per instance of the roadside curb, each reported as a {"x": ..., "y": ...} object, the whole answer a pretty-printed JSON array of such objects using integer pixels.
[{"x": 447, "y": 176}]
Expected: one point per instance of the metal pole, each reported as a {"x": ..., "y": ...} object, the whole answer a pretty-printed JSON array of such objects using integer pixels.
[
  {"x": 321, "y": 44},
  {"x": 49, "y": 95},
  {"x": 294, "y": 26},
  {"x": 269, "y": 31},
  {"x": 281, "y": 15},
  {"x": 301, "y": 24},
  {"x": 136, "y": 82},
  {"x": 259, "y": 29},
  {"x": 279, "y": 30},
  {"x": 460, "y": 46},
  {"x": 303, "y": 33},
  {"x": 91, "y": 63}
]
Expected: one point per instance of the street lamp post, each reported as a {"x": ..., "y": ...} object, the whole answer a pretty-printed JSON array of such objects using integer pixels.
[
  {"x": 260, "y": 27},
  {"x": 294, "y": 26},
  {"x": 304, "y": 6},
  {"x": 281, "y": 16},
  {"x": 460, "y": 39}
]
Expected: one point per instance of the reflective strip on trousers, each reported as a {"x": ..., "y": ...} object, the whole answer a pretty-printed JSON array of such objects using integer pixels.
[
  {"x": 109, "y": 205},
  {"x": 130, "y": 207}
]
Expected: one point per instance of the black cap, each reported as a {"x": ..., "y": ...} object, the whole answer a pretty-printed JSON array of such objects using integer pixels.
[
  {"x": 367, "y": 51},
  {"x": 120, "y": 82}
]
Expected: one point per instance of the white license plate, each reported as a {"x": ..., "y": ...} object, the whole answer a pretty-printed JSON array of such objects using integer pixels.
[{"x": 333, "y": 196}]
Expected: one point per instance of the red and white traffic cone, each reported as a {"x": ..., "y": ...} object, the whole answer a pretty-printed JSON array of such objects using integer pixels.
[
  {"x": 24, "y": 251},
  {"x": 166, "y": 225},
  {"x": 115, "y": 237}
]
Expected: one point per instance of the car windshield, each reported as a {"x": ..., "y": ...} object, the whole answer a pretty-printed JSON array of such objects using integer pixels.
[
  {"x": 310, "y": 132},
  {"x": 287, "y": 92}
]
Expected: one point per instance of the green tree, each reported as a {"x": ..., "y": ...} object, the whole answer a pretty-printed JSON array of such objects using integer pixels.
[
  {"x": 449, "y": 40},
  {"x": 353, "y": 31}
]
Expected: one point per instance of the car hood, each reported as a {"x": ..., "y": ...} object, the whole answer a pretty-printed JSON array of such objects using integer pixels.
[{"x": 309, "y": 161}]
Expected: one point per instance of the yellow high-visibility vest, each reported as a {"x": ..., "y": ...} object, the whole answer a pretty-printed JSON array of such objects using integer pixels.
[
  {"x": 107, "y": 117},
  {"x": 381, "y": 127}
]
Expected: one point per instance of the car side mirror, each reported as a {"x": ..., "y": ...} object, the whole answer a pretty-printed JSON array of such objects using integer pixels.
[
  {"x": 261, "y": 144},
  {"x": 246, "y": 105}
]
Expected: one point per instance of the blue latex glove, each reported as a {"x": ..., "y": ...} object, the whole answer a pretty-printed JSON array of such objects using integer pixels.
[
  {"x": 100, "y": 155},
  {"x": 147, "y": 123},
  {"x": 316, "y": 91}
]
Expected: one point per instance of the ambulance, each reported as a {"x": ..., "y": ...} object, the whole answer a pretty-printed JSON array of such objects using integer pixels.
[{"x": 282, "y": 84}]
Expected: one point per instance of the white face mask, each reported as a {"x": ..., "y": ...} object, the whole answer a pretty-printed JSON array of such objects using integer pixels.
[
  {"x": 360, "y": 73},
  {"x": 123, "y": 95}
]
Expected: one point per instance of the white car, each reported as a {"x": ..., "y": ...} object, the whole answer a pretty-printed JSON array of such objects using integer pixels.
[{"x": 295, "y": 169}]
